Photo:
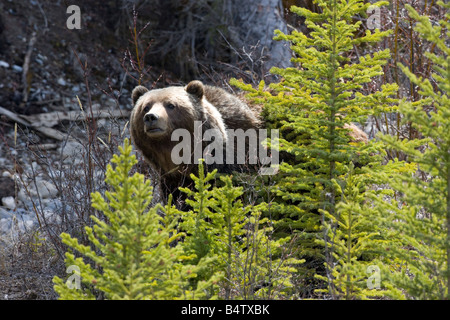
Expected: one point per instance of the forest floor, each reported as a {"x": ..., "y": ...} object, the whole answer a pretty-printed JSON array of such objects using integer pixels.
[{"x": 44, "y": 68}]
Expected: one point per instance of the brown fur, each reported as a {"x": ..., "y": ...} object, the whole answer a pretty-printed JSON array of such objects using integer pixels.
[
  {"x": 215, "y": 107},
  {"x": 356, "y": 134}
]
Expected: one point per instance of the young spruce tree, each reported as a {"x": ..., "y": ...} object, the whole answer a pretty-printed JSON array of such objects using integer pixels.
[
  {"x": 312, "y": 106},
  {"x": 230, "y": 239},
  {"x": 130, "y": 255},
  {"x": 421, "y": 212}
]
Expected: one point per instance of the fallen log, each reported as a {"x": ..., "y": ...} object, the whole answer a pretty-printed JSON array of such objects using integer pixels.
[
  {"x": 50, "y": 119},
  {"x": 43, "y": 122}
]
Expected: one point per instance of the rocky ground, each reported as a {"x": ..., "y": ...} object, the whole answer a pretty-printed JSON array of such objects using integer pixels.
[{"x": 49, "y": 165}]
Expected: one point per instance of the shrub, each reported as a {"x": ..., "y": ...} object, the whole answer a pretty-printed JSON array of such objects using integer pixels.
[
  {"x": 130, "y": 254},
  {"x": 236, "y": 241},
  {"x": 420, "y": 212},
  {"x": 312, "y": 106}
]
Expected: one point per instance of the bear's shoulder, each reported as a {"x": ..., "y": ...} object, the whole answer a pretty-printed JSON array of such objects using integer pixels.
[{"x": 235, "y": 113}]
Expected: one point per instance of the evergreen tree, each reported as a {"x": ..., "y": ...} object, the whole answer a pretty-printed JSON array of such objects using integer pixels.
[
  {"x": 233, "y": 240},
  {"x": 256, "y": 265},
  {"x": 130, "y": 254},
  {"x": 420, "y": 212},
  {"x": 312, "y": 106},
  {"x": 354, "y": 241}
]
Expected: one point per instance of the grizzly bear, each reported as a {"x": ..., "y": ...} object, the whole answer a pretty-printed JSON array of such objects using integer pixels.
[{"x": 158, "y": 113}]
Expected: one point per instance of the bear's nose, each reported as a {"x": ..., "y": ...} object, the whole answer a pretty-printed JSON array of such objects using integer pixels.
[{"x": 151, "y": 118}]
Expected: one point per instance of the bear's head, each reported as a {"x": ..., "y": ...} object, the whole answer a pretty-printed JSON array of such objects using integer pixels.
[{"x": 158, "y": 112}]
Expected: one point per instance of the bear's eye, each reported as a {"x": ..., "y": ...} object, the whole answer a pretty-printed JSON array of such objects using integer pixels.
[
  {"x": 170, "y": 106},
  {"x": 146, "y": 109}
]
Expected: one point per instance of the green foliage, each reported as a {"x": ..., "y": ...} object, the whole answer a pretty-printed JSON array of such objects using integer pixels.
[
  {"x": 354, "y": 240},
  {"x": 137, "y": 253},
  {"x": 367, "y": 229},
  {"x": 256, "y": 265},
  {"x": 130, "y": 254},
  {"x": 235, "y": 241},
  {"x": 311, "y": 106},
  {"x": 421, "y": 212}
]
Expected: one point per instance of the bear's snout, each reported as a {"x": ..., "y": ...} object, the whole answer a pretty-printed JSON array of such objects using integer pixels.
[
  {"x": 150, "y": 119},
  {"x": 153, "y": 124}
]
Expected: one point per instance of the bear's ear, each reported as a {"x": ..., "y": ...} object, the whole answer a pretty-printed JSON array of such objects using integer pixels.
[
  {"x": 137, "y": 93},
  {"x": 195, "y": 88}
]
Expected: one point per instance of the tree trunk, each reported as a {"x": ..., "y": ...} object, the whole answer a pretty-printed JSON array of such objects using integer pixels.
[
  {"x": 192, "y": 36},
  {"x": 256, "y": 21}
]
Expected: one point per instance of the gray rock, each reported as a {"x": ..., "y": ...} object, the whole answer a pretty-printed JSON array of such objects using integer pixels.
[
  {"x": 46, "y": 189},
  {"x": 9, "y": 202}
]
